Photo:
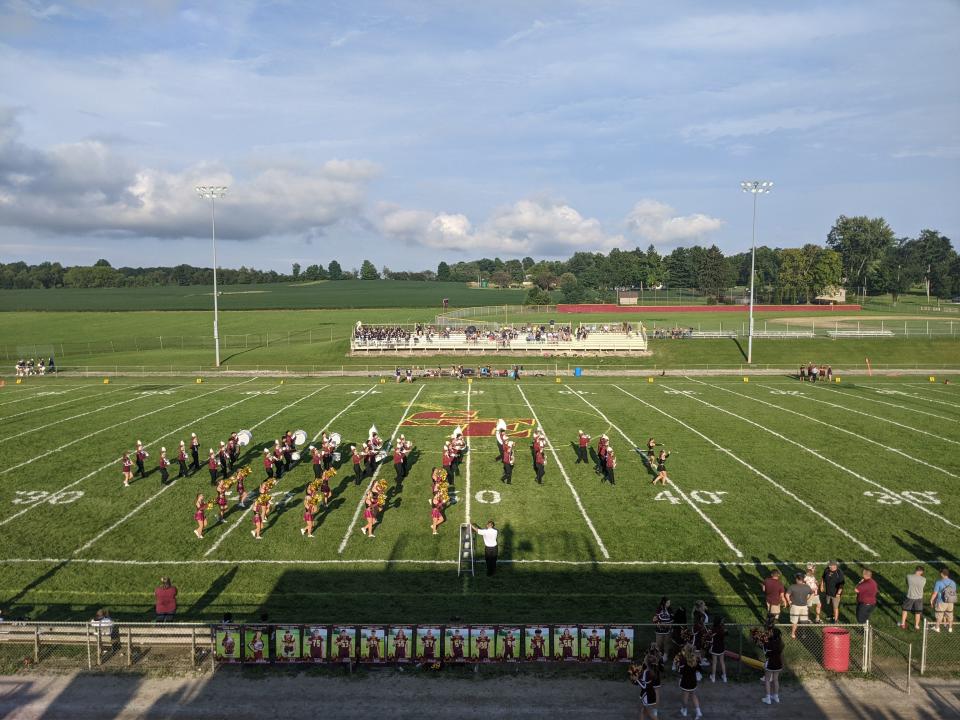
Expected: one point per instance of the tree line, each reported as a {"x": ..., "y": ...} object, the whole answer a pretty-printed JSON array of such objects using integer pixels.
[{"x": 861, "y": 254}]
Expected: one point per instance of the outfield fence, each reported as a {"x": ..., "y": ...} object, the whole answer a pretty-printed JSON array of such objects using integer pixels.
[{"x": 180, "y": 648}]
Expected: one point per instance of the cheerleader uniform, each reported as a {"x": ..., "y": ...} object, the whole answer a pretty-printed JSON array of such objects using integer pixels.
[
  {"x": 648, "y": 688},
  {"x": 718, "y": 645},
  {"x": 222, "y": 501},
  {"x": 241, "y": 490},
  {"x": 773, "y": 649},
  {"x": 199, "y": 514},
  {"x": 688, "y": 676}
]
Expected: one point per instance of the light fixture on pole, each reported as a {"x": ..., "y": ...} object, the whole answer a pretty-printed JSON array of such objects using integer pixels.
[
  {"x": 754, "y": 187},
  {"x": 211, "y": 193}
]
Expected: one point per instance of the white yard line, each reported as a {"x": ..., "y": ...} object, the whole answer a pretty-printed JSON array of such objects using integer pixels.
[
  {"x": 403, "y": 561},
  {"x": 827, "y": 460},
  {"x": 566, "y": 478},
  {"x": 72, "y": 417},
  {"x": 911, "y": 458},
  {"x": 693, "y": 506},
  {"x": 469, "y": 453},
  {"x": 65, "y": 402},
  {"x": 230, "y": 529},
  {"x": 820, "y": 515},
  {"x": 234, "y": 526},
  {"x": 109, "y": 427},
  {"x": 356, "y": 513},
  {"x": 36, "y": 393},
  {"x": 881, "y": 419},
  {"x": 113, "y": 462},
  {"x": 938, "y": 390},
  {"x": 833, "y": 389},
  {"x": 928, "y": 399}
]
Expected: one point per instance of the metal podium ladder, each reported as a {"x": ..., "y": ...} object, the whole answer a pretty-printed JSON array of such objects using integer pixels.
[{"x": 465, "y": 555}]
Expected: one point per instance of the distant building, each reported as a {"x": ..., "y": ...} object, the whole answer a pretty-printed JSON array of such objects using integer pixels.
[{"x": 832, "y": 295}]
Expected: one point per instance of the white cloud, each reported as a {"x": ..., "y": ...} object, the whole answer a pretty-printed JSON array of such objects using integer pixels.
[
  {"x": 763, "y": 123},
  {"x": 658, "y": 223},
  {"x": 88, "y": 188}
]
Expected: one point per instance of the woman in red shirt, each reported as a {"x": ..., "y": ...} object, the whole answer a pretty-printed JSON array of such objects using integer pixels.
[{"x": 166, "y": 600}]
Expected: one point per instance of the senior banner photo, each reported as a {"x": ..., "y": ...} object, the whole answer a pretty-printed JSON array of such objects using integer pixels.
[
  {"x": 371, "y": 643},
  {"x": 565, "y": 642},
  {"x": 456, "y": 639},
  {"x": 314, "y": 647},
  {"x": 256, "y": 644},
  {"x": 620, "y": 646},
  {"x": 591, "y": 642},
  {"x": 482, "y": 639},
  {"x": 344, "y": 643},
  {"x": 228, "y": 639},
  {"x": 428, "y": 643},
  {"x": 287, "y": 639},
  {"x": 537, "y": 643},
  {"x": 400, "y": 644}
]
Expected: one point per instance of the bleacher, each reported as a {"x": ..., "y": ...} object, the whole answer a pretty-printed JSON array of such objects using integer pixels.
[
  {"x": 711, "y": 334},
  {"x": 784, "y": 334},
  {"x": 430, "y": 341},
  {"x": 860, "y": 333}
]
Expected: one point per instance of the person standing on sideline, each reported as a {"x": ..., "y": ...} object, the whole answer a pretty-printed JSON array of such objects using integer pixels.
[
  {"x": 866, "y": 591},
  {"x": 166, "y": 600},
  {"x": 774, "y": 595},
  {"x": 490, "y": 549},
  {"x": 914, "y": 600},
  {"x": 814, "y": 601},
  {"x": 942, "y": 600},
  {"x": 797, "y": 596},
  {"x": 831, "y": 585}
]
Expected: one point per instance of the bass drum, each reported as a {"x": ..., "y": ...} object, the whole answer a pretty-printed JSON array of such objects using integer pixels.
[
  {"x": 295, "y": 456},
  {"x": 336, "y": 457},
  {"x": 244, "y": 437},
  {"x": 334, "y": 439},
  {"x": 300, "y": 437}
]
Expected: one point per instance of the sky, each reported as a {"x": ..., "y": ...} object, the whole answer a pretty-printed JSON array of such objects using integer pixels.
[{"x": 411, "y": 132}]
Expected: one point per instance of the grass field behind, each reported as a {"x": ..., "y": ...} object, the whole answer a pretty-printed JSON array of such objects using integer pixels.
[{"x": 767, "y": 472}]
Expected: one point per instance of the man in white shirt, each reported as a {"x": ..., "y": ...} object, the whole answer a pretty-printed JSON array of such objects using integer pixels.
[{"x": 489, "y": 535}]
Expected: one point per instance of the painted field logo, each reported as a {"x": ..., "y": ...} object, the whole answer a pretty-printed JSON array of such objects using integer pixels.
[{"x": 472, "y": 425}]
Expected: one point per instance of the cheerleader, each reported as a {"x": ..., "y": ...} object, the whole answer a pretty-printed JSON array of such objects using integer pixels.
[
  {"x": 371, "y": 501},
  {"x": 163, "y": 464},
  {"x": 200, "y": 515},
  {"x": 651, "y": 453},
  {"x": 773, "y": 650},
  {"x": 648, "y": 679},
  {"x": 700, "y": 622},
  {"x": 257, "y": 522},
  {"x": 718, "y": 647},
  {"x": 222, "y": 500},
  {"x": 309, "y": 505},
  {"x": 126, "y": 465},
  {"x": 263, "y": 490},
  {"x": 661, "y": 476},
  {"x": 325, "y": 490},
  {"x": 357, "y": 468},
  {"x": 241, "y": 491},
  {"x": 212, "y": 467},
  {"x": 686, "y": 663},
  {"x": 182, "y": 460},
  {"x": 436, "y": 513},
  {"x": 663, "y": 619}
]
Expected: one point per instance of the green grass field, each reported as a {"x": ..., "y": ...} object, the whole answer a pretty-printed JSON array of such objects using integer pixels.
[
  {"x": 767, "y": 472},
  {"x": 267, "y": 296}
]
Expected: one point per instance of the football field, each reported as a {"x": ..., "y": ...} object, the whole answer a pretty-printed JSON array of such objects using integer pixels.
[{"x": 763, "y": 473}]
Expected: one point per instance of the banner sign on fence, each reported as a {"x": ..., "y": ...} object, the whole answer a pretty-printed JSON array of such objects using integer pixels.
[
  {"x": 508, "y": 644},
  {"x": 482, "y": 640},
  {"x": 315, "y": 644},
  {"x": 428, "y": 643},
  {"x": 287, "y": 642},
  {"x": 591, "y": 642},
  {"x": 456, "y": 639},
  {"x": 256, "y": 644},
  {"x": 565, "y": 642},
  {"x": 344, "y": 642},
  {"x": 537, "y": 645},
  {"x": 620, "y": 645},
  {"x": 227, "y": 648},
  {"x": 399, "y": 643}
]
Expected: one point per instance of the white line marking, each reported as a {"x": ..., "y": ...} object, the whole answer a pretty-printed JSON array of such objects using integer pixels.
[
  {"x": 884, "y": 402},
  {"x": 72, "y": 417},
  {"x": 881, "y": 419},
  {"x": 927, "y": 399},
  {"x": 35, "y": 394},
  {"x": 750, "y": 467},
  {"x": 162, "y": 490},
  {"x": 65, "y": 402},
  {"x": 937, "y": 390},
  {"x": 109, "y": 427},
  {"x": 912, "y": 458},
  {"x": 469, "y": 453},
  {"x": 114, "y": 461},
  {"x": 566, "y": 478},
  {"x": 726, "y": 540},
  {"x": 356, "y": 513},
  {"x": 239, "y": 520},
  {"x": 827, "y": 460},
  {"x": 401, "y": 561}
]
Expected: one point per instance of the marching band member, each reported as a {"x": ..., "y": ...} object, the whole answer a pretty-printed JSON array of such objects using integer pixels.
[
  {"x": 398, "y": 463},
  {"x": 278, "y": 467},
  {"x": 583, "y": 442},
  {"x": 212, "y": 467},
  {"x": 224, "y": 459},
  {"x": 602, "y": 454},
  {"x": 182, "y": 459},
  {"x": 316, "y": 459},
  {"x": 661, "y": 476},
  {"x": 140, "y": 456},
  {"x": 611, "y": 465},
  {"x": 268, "y": 463},
  {"x": 163, "y": 464},
  {"x": 357, "y": 469},
  {"x": 539, "y": 460},
  {"x": 195, "y": 451},
  {"x": 369, "y": 458},
  {"x": 508, "y": 460},
  {"x": 127, "y": 465},
  {"x": 234, "y": 449},
  {"x": 447, "y": 460},
  {"x": 326, "y": 453},
  {"x": 200, "y": 515},
  {"x": 501, "y": 436},
  {"x": 288, "y": 448},
  {"x": 371, "y": 502},
  {"x": 407, "y": 449}
]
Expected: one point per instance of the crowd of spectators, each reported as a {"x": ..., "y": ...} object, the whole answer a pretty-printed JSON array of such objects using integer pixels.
[
  {"x": 545, "y": 333},
  {"x": 32, "y": 366},
  {"x": 674, "y": 333}
]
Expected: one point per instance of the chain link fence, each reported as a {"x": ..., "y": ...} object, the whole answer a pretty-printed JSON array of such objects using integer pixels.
[{"x": 940, "y": 651}]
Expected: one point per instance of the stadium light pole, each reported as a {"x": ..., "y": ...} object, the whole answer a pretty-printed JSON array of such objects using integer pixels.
[
  {"x": 754, "y": 187},
  {"x": 211, "y": 193}
]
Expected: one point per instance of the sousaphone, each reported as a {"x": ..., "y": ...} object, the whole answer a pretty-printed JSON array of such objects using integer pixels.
[{"x": 244, "y": 437}]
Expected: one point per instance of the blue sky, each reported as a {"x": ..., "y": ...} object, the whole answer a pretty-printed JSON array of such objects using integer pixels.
[{"x": 407, "y": 132}]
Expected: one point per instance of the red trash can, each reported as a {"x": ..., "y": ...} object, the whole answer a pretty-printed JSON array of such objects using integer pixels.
[{"x": 836, "y": 649}]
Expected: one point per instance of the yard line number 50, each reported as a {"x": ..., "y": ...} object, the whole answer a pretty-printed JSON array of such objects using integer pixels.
[{"x": 704, "y": 497}]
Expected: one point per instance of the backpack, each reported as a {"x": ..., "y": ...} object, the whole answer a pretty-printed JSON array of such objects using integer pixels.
[{"x": 949, "y": 593}]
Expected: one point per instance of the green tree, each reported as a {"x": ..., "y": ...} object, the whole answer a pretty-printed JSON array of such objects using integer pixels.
[
  {"x": 443, "y": 272},
  {"x": 515, "y": 268},
  {"x": 713, "y": 273},
  {"x": 528, "y": 262},
  {"x": 296, "y": 271},
  {"x": 501, "y": 278},
  {"x": 861, "y": 242},
  {"x": 536, "y": 296},
  {"x": 368, "y": 271},
  {"x": 334, "y": 270},
  {"x": 102, "y": 263}
]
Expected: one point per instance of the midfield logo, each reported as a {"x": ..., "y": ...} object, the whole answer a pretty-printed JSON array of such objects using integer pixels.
[{"x": 472, "y": 425}]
